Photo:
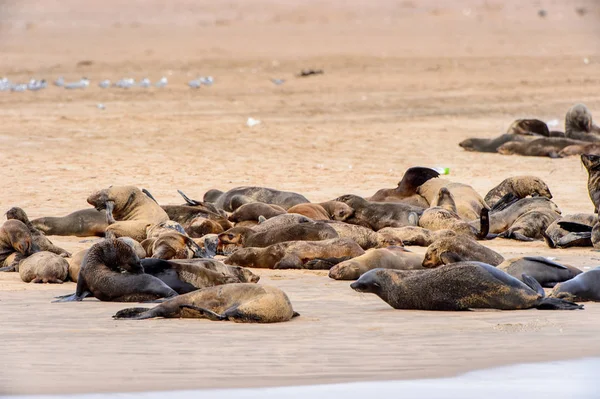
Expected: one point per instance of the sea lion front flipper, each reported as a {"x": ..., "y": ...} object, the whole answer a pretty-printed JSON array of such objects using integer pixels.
[
  {"x": 574, "y": 227},
  {"x": 70, "y": 298},
  {"x": 520, "y": 237},
  {"x": 110, "y": 206},
  {"x": 545, "y": 261},
  {"x": 557, "y": 304},
  {"x": 188, "y": 200},
  {"x": 10, "y": 268},
  {"x": 484, "y": 223},
  {"x": 548, "y": 240},
  {"x": 324, "y": 263},
  {"x": 504, "y": 202},
  {"x": 131, "y": 313},
  {"x": 204, "y": 313},
  {"x": 533, "y": 284},
  {"x": 149, "y": 195},
  {"x": 575, "y": 240},
  {"x": 450, "y": 257}
]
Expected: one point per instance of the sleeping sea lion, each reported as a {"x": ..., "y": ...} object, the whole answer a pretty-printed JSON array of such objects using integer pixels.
[
  {"x": 459, "y": 249},
  {"x": 542, "y": 147},
  {"x": 396, "y": 258},
  {"x": 491, "y": 145},
  {"x": 364, "y": 236},
  {"x": 39, "y": 239},
  {"x": 247, "y": 237},
  {"x": 547, "y": 272},
  {"x": 83, "y": 223},
  {"x": 234, "y": 198},
  {"x": 468, "y": 202},
  {"x": 16, "y": 244},
  {"x": 530, "y": 225},
  {"x": 44, "y": 267},
  {"x": 414, "y": 235},
  {"x": 579, "y": 149},
  {"x": 377, "y": 215},
  {"x": 583, "y": 287},
  {"x": 173, "y": 245},
  {"x": 329, "y": 210},
  {"x": 407, "y": 188},
  {"x": 529, "y": 127},
  {"x": 520, "y": 186},
  {"x": 254, "y": 210}
]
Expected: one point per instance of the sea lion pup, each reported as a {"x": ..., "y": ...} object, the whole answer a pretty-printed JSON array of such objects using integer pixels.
[
  {"x": 241, "y": 303},
  {"x": 578, "y": 124},
  {"x": 583, "y": 287},
  {"x": 364, "y": 236},
  {"x": 520, "y": 186},
  {"x": 407, "y": 188},
  {"x": 248, "y": 194},
  {"x": 39, "y": 239},
  {"x": 468, "y": 202},
  {"x": 16, "y": 244},
  {"x": 556, "y": 236},
  {"x": 101, "y": 276},
  {"x": 579, "y": 149},
  {"x": 531, "y": 225},
  {"x": 44, "y": 267},
  {"x": 414, "y": 235},
  {"x": 542, "y": 147},
  {"x": 329, "y": 210},
  {"x": 459, "y": 249},
  {"x": 491, "y": 145},
  {"x": 442, "y": 216},
  {"x": 254, "y": 210},
  {"x": 377, "y": 215},
  {"x": 173, "y": 245},
  {"x": 387, "y": 258},
  {"x": 186, "y": 277},
  {"x": 129, "y": 211},
  {"x": 82, "y": 223},
  {"x": 246, "y": 237},
  {"x": 592, "y": 165},
  {"x": 547, "y": 272},
  {"x": 529, "y": 127},
  {"x": 279, "y": 221},
  {"x": 460, "y": 286},
  {"x": 296, "y": 254}
]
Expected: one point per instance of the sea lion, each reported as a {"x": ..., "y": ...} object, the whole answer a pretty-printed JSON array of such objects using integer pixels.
[
  {"x": 188, "y": 276},
  {"x": 129, "y": 211},
  {"x": 579, "y": 149},
  {"x": 329, "y": 210},
  {"x": 156, "y": 230},
  {"x": 246, "y": 237},
  {"x": 82, "y": 223},
  {"x": 241, "y": 303},
  {"x": 467, "y": 201},
  {"x": 529, "y": 127},
  {"x": 387, "y": 258},
  {"x": 16, "y": 244},
  {"x": 407, "y": 188},
  {"x": 414, "y": 235},
  {"x": 592, "y": 165},
  {"x": 254, "y": 210},
  {"x": 556, "y": 236},
  {"x": 279, "y": 221},
  {"x": 377, "y": 215},
  {"x": 520, "y": 186},
  {"x": 44, "y": 267},
  {"x": 531, "y": 225},
  {"x": 39, "y": 239},
  {"x": 232, "y": 199},
  {"x": 542, "y": 147},
  {"x": 583, "y": 287},
  {"x": 173, "y": 245},
  {"x": 101, "y": 276},
  {"x": 491, "y": 145},
  {"x": 364, "y": 236},
  {"x": 578, "y": 124},
  {"x": 547, "y": 272},
  {"x": 460, "y": 286},
  {"x": 198, "y": 218},
  {"x": 296, "y": 254},
  {"x": 458, "y": 249}
]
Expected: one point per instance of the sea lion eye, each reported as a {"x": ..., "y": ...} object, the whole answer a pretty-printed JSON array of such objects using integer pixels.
[{"x": 230, "y": 236}]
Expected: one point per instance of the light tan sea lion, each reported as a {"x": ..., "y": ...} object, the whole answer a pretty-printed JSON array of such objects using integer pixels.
[
  {"x": 16, "y": 244},
  {"x": 459, "y": 249},
  {"x": 520, "y": 186},
  {"x": 387, "y": 258},
  {"x": 44, "y": 267},
  {"x": 39, "y": 239},
  {"x": 329, "y": 210},
  {"x": 414, "y": 235},
  {"x": 468, "y": 202}
]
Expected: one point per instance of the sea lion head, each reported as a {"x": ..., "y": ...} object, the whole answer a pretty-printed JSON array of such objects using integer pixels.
[
  {"x": 19, "y": 236},
  {"x": 347, "y": 270},
  {"x": 468, "y": 144},
  {"x": 17, "y": 213},
  {"x": 579, "y": 119},
  {"x": 121, "y": 196},
  {"x": 212, "y": 195},
  {"x": 509, "y": 148},
  {"x": 354, "y": 201},
  {"x": 537, "y": 188},
  {"x": 528, "y": 127},
  {"x": 235, "y": 236},
  {"x": 342, "y": 211},
  {"x": 591, "y": 162},
  {"x": 372, "y": 282}
]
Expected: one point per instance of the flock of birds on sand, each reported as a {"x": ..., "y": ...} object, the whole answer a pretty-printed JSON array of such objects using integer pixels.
[{"x": 200, "y": 259}]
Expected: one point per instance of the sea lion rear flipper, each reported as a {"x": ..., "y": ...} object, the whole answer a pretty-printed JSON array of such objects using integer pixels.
[
  {"x": 188, "y": 200},
  {"x": 548, "y": 240},
  {"x": 557, "y": 304},
  {"x": 450, "y": 257},
  {"x": 575, "y": 240},
  {"x": 574, "y": 227},
  {"x": 296, "y": 314},
  {"x": 10, "y": 268},
  {"x": 324, "y": 263},
  {"x": 70, "y": 298},
  {"x": 149, "y": 195},
  {"x": 518, "y": 236},
  {"x": 484, "y": 223},
  {"x": 133, "y": 313},
  {"x": 533, "y": 284},
  {"x": 203, "y": 313},
  {"x": 545, "y": 261},
  {"x": 504, "y": 202}
]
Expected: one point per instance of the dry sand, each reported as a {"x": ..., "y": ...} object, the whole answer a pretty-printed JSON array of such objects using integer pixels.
[{"x": 404, "y": 82}]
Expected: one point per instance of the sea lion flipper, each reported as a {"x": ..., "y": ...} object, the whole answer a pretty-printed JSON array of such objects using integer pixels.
[
  {"x": 149, "y": 195},
  {"x": 549, "y": 241},
  {"x": 533, "y": 284},
  {"x": 504, "y": 202},
  {"x": 187, "y": 199},
  {"x": 557, "y": 304},
  {"x": 545, "y": 261},
  {"x": 10, "y": 268},
  {"x": 69, "y": 298},
  {"x": 110, "y": 206},
  {"x": 575, "y": 240},
  {"x": 484, "y": 223},
  {"x": 450, "y": 257},
  {"x": 574, "y": 227},
  {"x": 131, "y": 313},
  {"x": 296, "y": 314},
  {"x": 203, "y": 313},
  {"x": 518, "y": 236}
]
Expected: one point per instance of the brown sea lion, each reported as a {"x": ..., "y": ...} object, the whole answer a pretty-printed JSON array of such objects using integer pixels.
[
  {"x": 44, "y": 267},
  {"x": 529, "y": 127},
  {"x": 459, "y": 249},
  {"x": 558, "y": 237},
  {"x": 531, "y": 225},
  {"x": 172, "y": 245},
  {"x": 468, "y": 202},
  {"x": 241, "y": 303},
  {"x": 578, "y": 124},
  {"x": 129, "y": 211},
  {"x": 520, "y": 186},
  {"x": 83, "y": 223},
  {"x": 377, "y": 215},
  {"x": 39, "y": 239},
  {"x": 387, "y": 258},
  {"x": 407, "y": 188},
  {"x": 277, "y": 222},
  {"x": 364, "y": 236},
  {"x": 583, "y": 287},
  {"x": 198, "y": 218},
  {"x": 296, "y": 254},
  {"x": 542, "y": 147},
  {"x": 246, "y": 237},
  {"x": 461, "y": 286},
  {"x": 156, "y": 230},
  {"x": 547, "y": 272},
  {"x": 329, "y": 210},
  {"x": 579, "y": 149},
  {"x": 254, "y": 210},
  {"x": 234, "y": 198},
  {"x": 101, "y": 276},
  {"x": 16, "y": 244},
  {"x": 592, "y": 165},
  {"x": 414, "y": 235},
  {"x": 491, "y": 145}
]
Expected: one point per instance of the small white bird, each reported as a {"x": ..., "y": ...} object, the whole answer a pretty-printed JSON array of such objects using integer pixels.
[
  {"x": 206, "y": 80},
  {"x": 105, "y": 84},
  {"x": 278, "y": 81},
  {"x": 195, "y": 84},
  {"x": 125, "y": 83},
  {"x": 60, "y": 82},
  {"x": 19, "y": 87},
  {"x": 145, "y": 83},
  {"x": 5, "y": 84},
  {"x": 35, "y": 85},
  {"x": 82, "y": 84},
  {"x": 162, "y": 82}
]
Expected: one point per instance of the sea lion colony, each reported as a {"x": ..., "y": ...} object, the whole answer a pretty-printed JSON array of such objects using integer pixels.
[{"x": 150, "y": 253}]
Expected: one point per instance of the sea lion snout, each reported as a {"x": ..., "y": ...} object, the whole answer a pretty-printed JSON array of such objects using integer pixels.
[{"x": 98, "y": 199}]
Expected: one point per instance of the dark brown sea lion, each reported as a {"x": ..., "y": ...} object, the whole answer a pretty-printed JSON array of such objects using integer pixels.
[
  {"x": 44, "y": 267},
  {"x": 378, "y": 215},
  {"x": 387, "y": 258},
  {"x": 246, "y": 237},
  {"x": 39, "y": 239},
  {"x": 296, "y": 254},
  {"x": 277, "y": 222},
  {"x": 254, "y": 210},
  {"x": 578, "y": 124},
  {"x": 468, "y": 202},
  {"x": 491, "y": 145},
  {"x": 129, "y": 211},
  {"x": 198, "y": 218},
  {"x": 558, "y": 237},
  {"x": 460, "y": 286},
  {"x": 364, "y": 236},
  {"x": 531, "y": 225},
  {"x": 459, "y": 249},
  {"x": 83, "y": 223},
  {"x": 407, "y": 188},
  {"x": 547, "y": 272},
  {"x": 583, "y": 287},
  {"x": 592, "y": 165},
  {"x": 520, "y": 186},
  {"x": 329, "y": 210},
  {"x": 414, "y": 235},
  {"x": 232, "y": 199},
  {"x": 241, "y": 303},
  {"x": 542, "y": 147},
  {"x": 529, "y": 127},
  {"x": 16, "y": 244},
  {"x": 101, "y": 276}
]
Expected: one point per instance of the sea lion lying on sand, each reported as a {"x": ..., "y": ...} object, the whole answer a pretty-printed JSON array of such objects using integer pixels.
[
  {"x": 309, "y": 231},
  {"x": 459, "y": 249},
  {"x": 329, "y": 210},
  {"x": 16, "y": 244},
  {"x": 407, "y": 188},
  {"x": 414, "y": 235},
  {"x": 547, "y": 272},
  {"x": 468, "y": 202},
  {"x": 378, "y": 215},
  {"x": 396, "y": 258},
  {"x": 234, "y": 198},
  {"x": 583, "y": 287},
  {"x": 520, "y": 186},
  {"x": 82, "y": 223},
  {"x": 39, "y": 239},
  {"x": 254, "y": 210},
  {"x": 44, "y": 267}
]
